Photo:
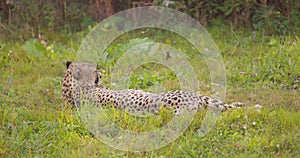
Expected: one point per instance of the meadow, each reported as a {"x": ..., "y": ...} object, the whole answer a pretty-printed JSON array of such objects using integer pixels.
[{"x": 265, "y": 70}]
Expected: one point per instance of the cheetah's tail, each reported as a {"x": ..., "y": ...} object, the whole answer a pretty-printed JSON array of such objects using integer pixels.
[{"x": 235, "y": 105}]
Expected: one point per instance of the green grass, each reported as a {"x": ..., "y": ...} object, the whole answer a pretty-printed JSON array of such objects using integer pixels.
[{"x": 35, "y": 121}]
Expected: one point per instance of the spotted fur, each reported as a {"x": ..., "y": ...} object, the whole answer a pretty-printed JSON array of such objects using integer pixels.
[{"x": 80, "y": 83}]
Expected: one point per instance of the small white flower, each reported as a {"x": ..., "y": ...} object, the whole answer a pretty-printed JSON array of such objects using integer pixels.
[
  {"x": 257, "y": 107},
  {"x": 10, "y": 53}
]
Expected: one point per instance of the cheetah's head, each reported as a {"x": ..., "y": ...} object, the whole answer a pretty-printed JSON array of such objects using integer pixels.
[{"x": 79, "y": 74}]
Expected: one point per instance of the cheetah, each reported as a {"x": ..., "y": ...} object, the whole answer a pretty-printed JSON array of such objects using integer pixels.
[{"x": 81, "y": 82}]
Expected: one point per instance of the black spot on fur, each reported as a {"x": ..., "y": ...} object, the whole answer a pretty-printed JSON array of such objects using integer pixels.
[
  {"x": 169, "y": 101},
  {"x": 214, "y": 101}
]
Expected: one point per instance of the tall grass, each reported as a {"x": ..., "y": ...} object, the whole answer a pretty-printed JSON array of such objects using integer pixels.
[{"x": 35, "y": 121}]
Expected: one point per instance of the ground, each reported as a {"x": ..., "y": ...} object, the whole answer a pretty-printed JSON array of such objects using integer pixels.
[{"x": 35, "y": 121}]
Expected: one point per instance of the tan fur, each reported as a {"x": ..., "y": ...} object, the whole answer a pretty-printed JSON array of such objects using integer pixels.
[
  {"x": 79, "y": 74},
  {"x": 81, "y": 79}
]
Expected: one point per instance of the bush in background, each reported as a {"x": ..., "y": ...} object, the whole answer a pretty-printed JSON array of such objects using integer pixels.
[{"x": 31, "y": 17}]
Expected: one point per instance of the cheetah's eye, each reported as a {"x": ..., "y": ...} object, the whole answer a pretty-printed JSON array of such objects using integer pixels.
[{"x": 77, "y": 74}]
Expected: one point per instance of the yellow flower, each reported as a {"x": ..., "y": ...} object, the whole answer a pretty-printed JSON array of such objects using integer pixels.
[{"x": 50, "y": 47}]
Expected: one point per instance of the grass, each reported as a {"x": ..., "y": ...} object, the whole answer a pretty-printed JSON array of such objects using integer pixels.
[{"x": 35, "y": 121}]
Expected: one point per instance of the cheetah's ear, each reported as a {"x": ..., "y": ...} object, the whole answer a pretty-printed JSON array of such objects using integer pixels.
[{"x": 68, "y": 64}]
